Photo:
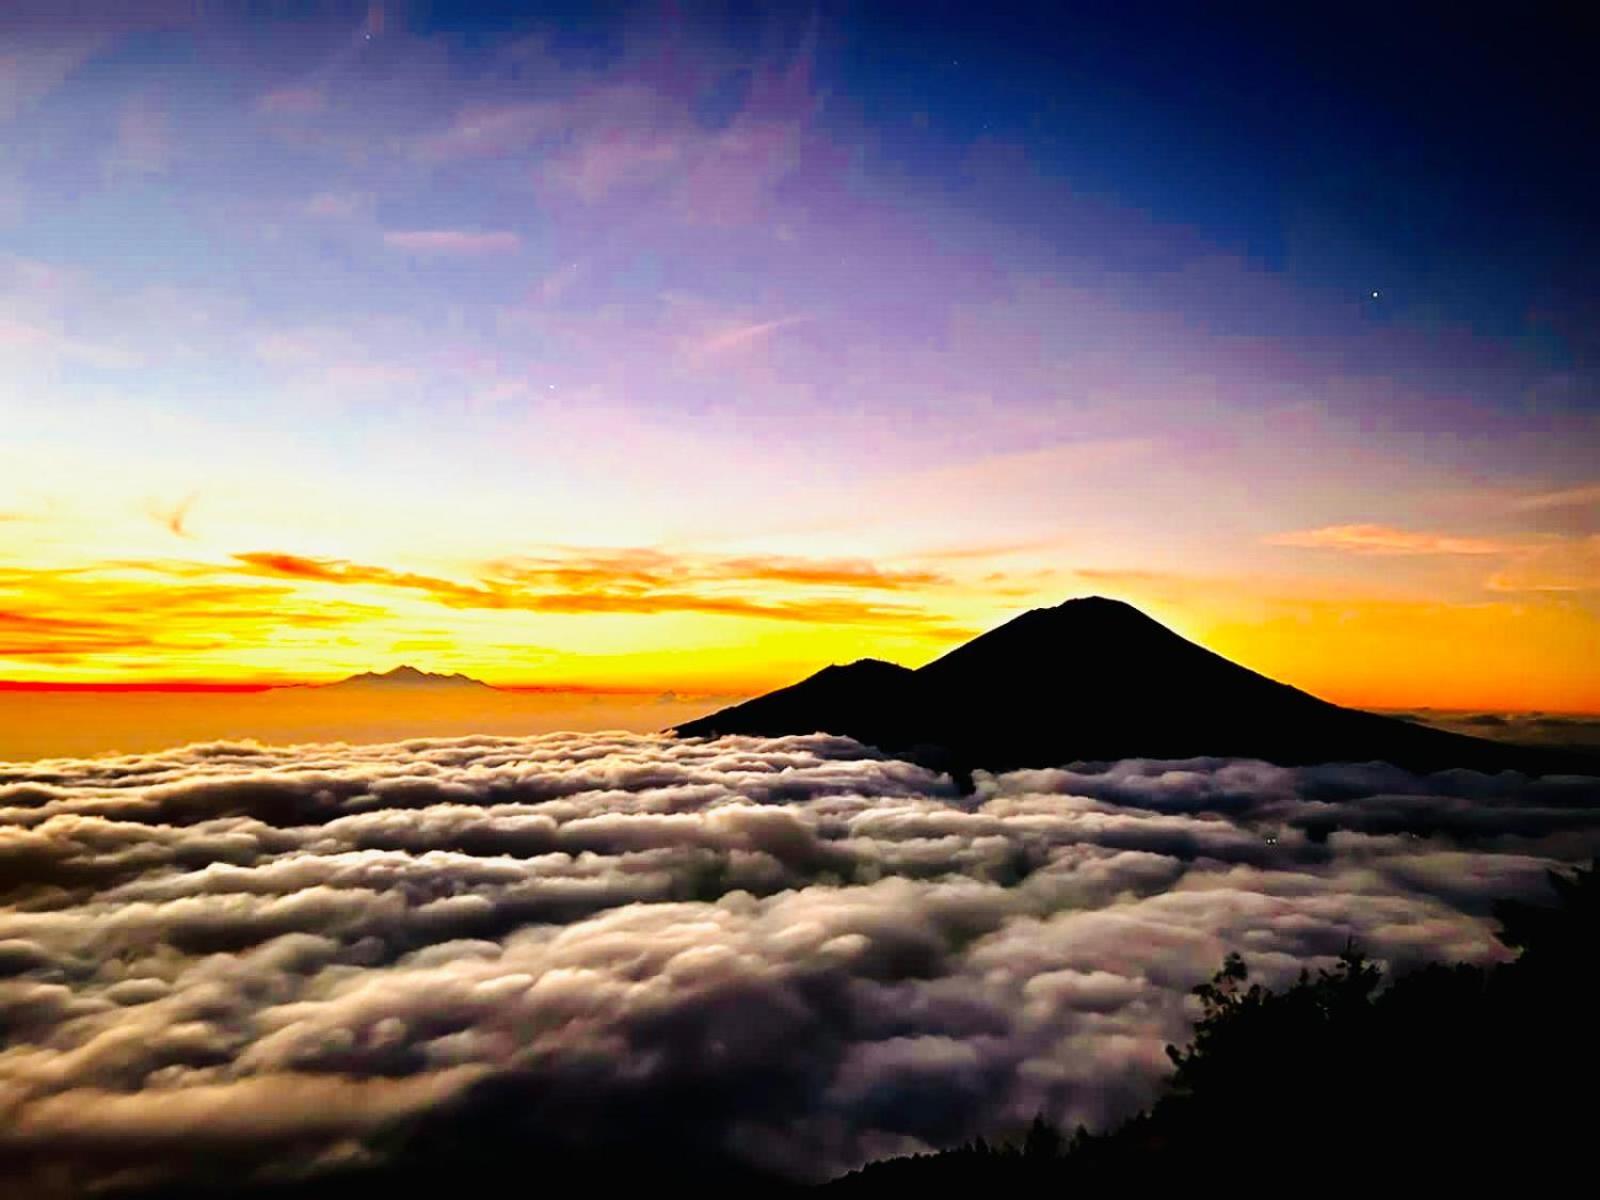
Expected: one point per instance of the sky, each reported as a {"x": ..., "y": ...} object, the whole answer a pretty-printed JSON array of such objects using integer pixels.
[{"x": 699, "y": 346}]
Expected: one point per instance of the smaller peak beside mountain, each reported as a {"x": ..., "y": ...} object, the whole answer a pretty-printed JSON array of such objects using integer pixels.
[
  {"x": 849, "y": 693},
  {"x": 405, "y": 676}
]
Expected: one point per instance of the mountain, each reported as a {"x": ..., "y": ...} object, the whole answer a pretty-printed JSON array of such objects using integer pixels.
[
  {"x": 1095, "y": 680},
  {"x": 406, "y": 677}
]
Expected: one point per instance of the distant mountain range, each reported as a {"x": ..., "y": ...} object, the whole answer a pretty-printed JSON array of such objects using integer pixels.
[
  {"x": 406, "y": 677},
  {"x": 1097, "y": 680}
]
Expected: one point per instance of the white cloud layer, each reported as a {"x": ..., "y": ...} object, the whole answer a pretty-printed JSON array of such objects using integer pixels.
[{"x": 230, "y": 957}]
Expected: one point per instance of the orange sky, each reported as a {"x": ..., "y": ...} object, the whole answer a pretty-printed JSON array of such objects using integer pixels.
[{"x": 654, "y": 620}]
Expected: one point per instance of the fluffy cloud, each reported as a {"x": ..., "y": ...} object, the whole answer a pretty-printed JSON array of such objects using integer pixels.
[
  {"x": 1569, "y": 731},
  {"x": 788, "y": 952}
]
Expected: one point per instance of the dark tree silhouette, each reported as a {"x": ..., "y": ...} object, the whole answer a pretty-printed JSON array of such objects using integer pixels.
[{"x": 1455, "y": 1076}]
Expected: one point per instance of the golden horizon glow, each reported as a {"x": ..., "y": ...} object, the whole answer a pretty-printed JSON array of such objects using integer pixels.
[{"x": 644, "y": 621}]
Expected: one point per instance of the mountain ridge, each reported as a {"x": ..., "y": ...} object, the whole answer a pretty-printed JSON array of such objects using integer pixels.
[{"x": 407, "y": 676}]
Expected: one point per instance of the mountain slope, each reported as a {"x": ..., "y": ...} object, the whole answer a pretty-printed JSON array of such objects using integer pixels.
[
  {"x": 1093, "y": 680},
  {"x": 867, "y": 692}
]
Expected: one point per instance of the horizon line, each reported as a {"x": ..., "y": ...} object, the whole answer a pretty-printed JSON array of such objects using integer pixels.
[{"x": 203, "y": 687}]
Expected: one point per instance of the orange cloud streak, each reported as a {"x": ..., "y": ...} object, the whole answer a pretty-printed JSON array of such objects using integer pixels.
[
  {"x": 1384, "y": 539},
  {"x": 73, "y": 615},
  {"x": 630, "y": 582}
]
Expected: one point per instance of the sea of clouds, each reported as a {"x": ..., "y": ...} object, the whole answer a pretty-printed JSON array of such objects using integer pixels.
[{"x": 790, "y": 951}]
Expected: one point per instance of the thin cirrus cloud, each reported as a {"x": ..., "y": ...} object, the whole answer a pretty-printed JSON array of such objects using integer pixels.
[
  {"x": 48, "y": 637},
  {"x": 80, "y": 615},
  {"x": 488, "y": 130},
  {"x": 227, "y": 960},
  {"x": 1562, "y": 565},
  {"x": 244, "y": 613},
  {"x": 638, "y": 133},
  {"x": 1573, "y": 497},
  {"x": 640, "y": 567},
  {"x": 453, "y": 241},
  {"x": 293, "y": 101},
  {"x": 639, "y": 582},
  {"x": 338, "y": 205},
  {"x": 1385, "y": 539},
  {"x": 744, "y": 335},
  {"x": 1531, "y": 564},
  {"x": 619, "y": 158},
  {"x": 46, "y": 343},
  {"x": 144, "y": 143},
  {"x": 833, "y": 573}
]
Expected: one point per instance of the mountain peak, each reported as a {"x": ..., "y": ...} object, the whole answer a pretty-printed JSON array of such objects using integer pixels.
[
  {"x": 404, "y": 671},
  {"x": 408, "y": 676},
  {"x": 1090, "y": 609},
  {"x": 1091, "y": 635},
  {"x": 1104, "y": 605}
]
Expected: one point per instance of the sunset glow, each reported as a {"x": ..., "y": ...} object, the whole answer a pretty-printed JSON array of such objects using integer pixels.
[
  {"x": 651, "y": 596},
  {"x": 686, "y": 364}
]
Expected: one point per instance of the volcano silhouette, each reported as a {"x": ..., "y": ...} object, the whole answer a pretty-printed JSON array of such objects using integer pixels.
[{"x": 1094, "y": 680}]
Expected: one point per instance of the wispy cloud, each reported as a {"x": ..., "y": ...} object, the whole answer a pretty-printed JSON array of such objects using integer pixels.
[
  {"x": 175, "y": 517},
  {"x": 294, "y": 101},
  {"x": 1043, "y": 465},
  {"x": 453, "y": 241},
  {"x": 339, "y": 359},
  {"x": 33, "y": 635},
  {"x": 989, "y": 550},
  {"x": 555, "y": 284},
  {"x": 623, "y": 156},
  {"x": 158, "y": 610},
  {"x": 744, "y": 335},
  {"x": 1572, "y": 497},
  {"x": 1112, "y": 575},
  {"x": 1546, "y": 563},
  {"x": 35, "y": 59},
  {"x": 144, "y": 140},
  {"x": 489, "y": 130},
  {"x": 371, "y": 375},
  {"x": 640, "y": 137},
  {"x": 1560, "y": 565},
  {"x": 647, "y": 568},
  {"x": 826, "y": 572},
  {"x": 639, "y": 582},
  {"x": 26, "y": 339},
  {"x": 1385, "y": 539},
  {"x": 333, "y": 570},
  {"x": 338, "y": 205}
]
